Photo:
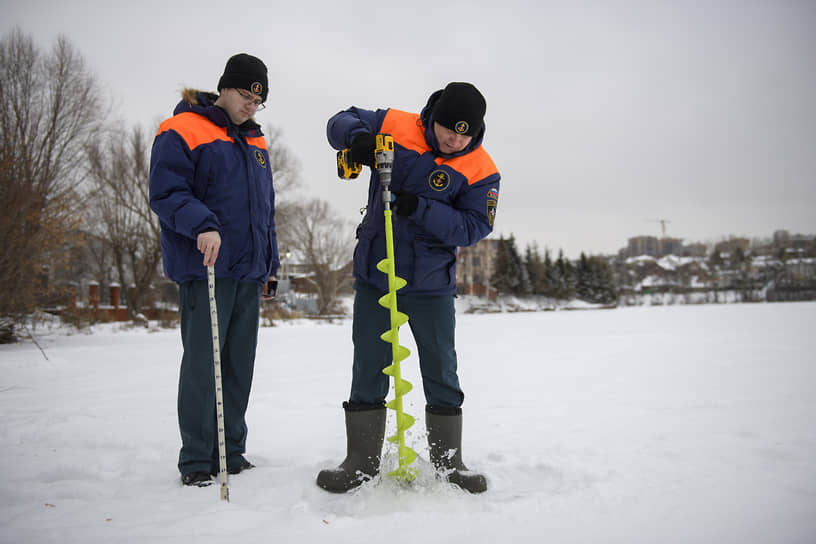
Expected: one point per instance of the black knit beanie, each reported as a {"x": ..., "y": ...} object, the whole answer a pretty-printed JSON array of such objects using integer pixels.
[
  {"x": 245, "y": 72},
  {"x": 461, "y": 108}
]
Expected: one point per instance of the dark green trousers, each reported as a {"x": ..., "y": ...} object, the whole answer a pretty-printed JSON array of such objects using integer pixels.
[
  {"x": 238, "y": 310},
  {"x": 432, "y": 320}
]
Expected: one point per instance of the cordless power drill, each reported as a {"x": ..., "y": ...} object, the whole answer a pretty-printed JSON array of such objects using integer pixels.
[{"x": 383, "y": 154}]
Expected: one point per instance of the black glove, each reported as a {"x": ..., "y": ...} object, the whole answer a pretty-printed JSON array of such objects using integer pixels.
[
  {"x": 404, "y": 203},
  {"x": 362, "y": 149}
]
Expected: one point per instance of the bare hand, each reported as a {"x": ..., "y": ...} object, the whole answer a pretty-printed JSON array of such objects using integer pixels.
[
  {"x": 209, "y": 243},
  {"x": 270, "y": 288}
]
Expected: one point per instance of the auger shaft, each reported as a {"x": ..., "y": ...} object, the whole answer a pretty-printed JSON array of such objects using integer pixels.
[{"x": 384, "y": 158}]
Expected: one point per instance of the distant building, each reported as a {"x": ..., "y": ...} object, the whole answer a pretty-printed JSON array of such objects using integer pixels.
[
  {"x": 642, "y": 245},
  {"x": 670, "y": 246},
  {"x": 474, "y": 268},
  {"x": 695, "y": 250},
  {"x": 782, "y": 239},
  {"x": 731, "y": 246},
  {"x": 652, "y": 246}
]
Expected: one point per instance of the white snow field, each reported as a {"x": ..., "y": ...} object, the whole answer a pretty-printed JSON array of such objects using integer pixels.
[{"x": 670, "y": 424}]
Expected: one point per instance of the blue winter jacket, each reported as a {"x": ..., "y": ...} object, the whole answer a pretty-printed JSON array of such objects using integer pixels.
[
  {"x": 208, "y": 174},
  {"x": 457, "y": 194}
]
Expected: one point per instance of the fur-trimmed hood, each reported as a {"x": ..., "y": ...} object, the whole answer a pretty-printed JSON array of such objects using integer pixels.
[
  {"x": 203, "y": 103},
  {"x": 191, "y": 96}
]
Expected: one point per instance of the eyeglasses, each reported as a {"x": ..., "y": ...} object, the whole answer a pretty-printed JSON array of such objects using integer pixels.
[{"x": 249, "y": 97}]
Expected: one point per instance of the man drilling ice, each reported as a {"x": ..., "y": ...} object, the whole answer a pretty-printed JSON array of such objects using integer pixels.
[{"x": 444, "y": 189}]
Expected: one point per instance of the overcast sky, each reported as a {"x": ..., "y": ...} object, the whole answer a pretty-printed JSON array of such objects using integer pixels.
[{"x": 603, "y": 117}]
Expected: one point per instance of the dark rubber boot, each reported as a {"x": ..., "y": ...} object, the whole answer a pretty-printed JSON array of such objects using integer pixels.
[
  {"x": 365, "y": 430},
  {"x": 445, "y": 444}
]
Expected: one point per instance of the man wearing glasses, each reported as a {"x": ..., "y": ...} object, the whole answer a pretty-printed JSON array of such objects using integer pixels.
[{"x": 211, "y": 187}]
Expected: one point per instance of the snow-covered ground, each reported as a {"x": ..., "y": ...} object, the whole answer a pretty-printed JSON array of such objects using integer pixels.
[{"x": 682, "y": 424}]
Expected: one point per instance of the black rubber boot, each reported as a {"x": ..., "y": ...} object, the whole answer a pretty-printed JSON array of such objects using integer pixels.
[
  {"x": 444, "y": 427},
  {"x": 365, "y": 430}
]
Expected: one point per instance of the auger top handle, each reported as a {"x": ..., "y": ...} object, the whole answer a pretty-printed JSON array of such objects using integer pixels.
[{"x": 384, "y": 163}]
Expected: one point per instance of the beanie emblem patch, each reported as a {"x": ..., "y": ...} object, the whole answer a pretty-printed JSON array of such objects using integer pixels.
[
  {"x": 439, "y": 180},
  {"x": 256, "y": 88},
  {"x": 461, "y": 127}
]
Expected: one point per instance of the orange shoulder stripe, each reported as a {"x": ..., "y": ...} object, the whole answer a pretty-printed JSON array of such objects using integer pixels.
[
  {"x": 406, "y": 128},
  {"x": 258, "y": 141},
  {"x": 475, "y": 166},
  {"x": 194, "y": 129}
]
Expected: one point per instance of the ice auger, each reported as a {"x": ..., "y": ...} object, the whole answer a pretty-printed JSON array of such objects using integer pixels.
[{"x": 384, "y": 159}]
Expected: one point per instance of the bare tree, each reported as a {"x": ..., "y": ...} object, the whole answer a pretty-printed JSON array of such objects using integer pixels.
[
  {"x": 310, "y": 231},
  {"x": 324, "y": 243},
  {"x": 49, "y": 108},
  {"x": 286, "y": 173},
  {"x": 285, "y": 166},
  {"x": 119, "y": 172}
]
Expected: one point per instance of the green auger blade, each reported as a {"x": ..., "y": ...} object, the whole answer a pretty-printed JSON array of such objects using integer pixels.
[
  {"x": 392, "y": 337},
  {"x": 402, "y": 353},
  {"x": 404, "y": 421},
  {"x": 386, "y": 300},
  {"x": 385, "y": 266},
  {"x": 402, "y": 424},
  {"x": 404, "y": 473},
  {"x": 402, "y": 387},
  {"x": 407, "y": 455},
  {"x": 400, "y": 318}
]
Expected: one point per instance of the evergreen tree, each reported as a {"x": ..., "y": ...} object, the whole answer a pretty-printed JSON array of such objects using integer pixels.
[
  {"x": 549, "y": 283},
  {"x": 601, "y": 282},
  {"x": 535, "y": 269},
  {"x": 509, "y": 276},
  {"x": 584, "y": 283},
  {"x": 502, "y": 275},
  {"x": 565, "y": 278}
]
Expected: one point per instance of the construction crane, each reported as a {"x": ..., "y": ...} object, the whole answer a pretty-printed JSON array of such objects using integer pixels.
[{"x": 662, "y": 224}]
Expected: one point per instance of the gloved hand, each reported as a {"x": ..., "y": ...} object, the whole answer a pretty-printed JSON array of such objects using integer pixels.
[
  {"x": 404, "y": 203},
  {"x": 362, "y": 149}
]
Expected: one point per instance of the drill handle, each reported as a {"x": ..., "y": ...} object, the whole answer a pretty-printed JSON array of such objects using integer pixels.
[
  {"x": 346, "y": 168},
  {"x": 383, "y": 157}
]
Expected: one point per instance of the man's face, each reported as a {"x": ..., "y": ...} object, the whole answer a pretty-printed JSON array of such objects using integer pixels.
[
  {"x": 449, "y": 141},
  {"x": 239, "y": 104}
]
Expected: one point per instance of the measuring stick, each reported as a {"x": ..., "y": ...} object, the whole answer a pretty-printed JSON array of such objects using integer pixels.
[{"x": 219, "y": 394}]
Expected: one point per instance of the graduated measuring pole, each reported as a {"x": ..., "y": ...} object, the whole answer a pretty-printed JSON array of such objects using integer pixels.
[
  {"x": 384, "y": 157},
  {"x": 219, "y": 394}
]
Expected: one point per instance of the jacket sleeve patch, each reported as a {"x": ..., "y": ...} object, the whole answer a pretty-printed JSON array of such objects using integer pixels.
[{"x": 491, "y": 211}]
